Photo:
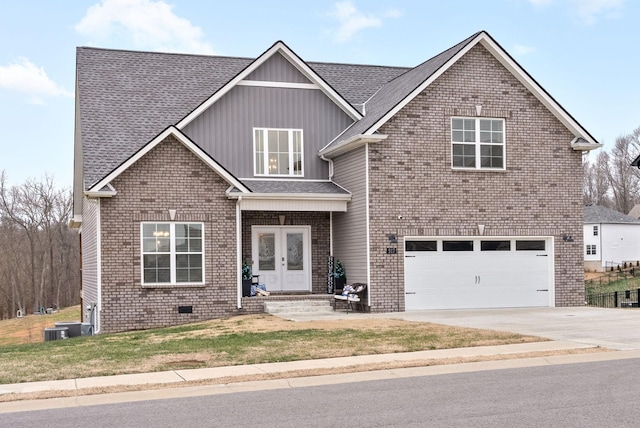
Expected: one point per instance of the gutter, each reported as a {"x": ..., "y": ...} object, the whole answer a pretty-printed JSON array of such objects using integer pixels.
[{"x": 350, "y": 144}]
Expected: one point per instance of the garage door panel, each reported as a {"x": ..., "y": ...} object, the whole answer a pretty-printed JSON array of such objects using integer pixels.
[{"x": 477, "y": 279}]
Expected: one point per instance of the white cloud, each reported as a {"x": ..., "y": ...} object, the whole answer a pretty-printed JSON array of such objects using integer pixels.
[
  {"x": 590, "y": 10},
  {"x": 351, "y": 20},
  {"x": 148, "y": 24},
  {"x": 522, "y": 50},
  {"x": 25, "y": 77}
]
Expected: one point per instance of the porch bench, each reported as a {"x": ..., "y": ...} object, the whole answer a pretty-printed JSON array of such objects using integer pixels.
[{"x": 353, "y": 294}]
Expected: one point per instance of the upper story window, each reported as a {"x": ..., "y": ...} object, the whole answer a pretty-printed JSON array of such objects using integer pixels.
[
  {"x": 477, "y": 143},
  {"x": 595, "y": 230},
  {"x": 172, "y": 253},
  {"x": 278, "y": 152}
]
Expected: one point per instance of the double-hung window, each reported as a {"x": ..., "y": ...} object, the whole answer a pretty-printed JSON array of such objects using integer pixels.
[
  {"x": 477, "y": 143},
  {"x": 278, "y": 152},
  {"x": 172, "y": 253},
  {"x": 591, "y": 250}
]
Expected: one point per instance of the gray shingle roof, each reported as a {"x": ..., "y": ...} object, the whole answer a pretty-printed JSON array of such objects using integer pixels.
[
  {"x": 603, "y": 215},
  {"x": 392, "y": 93},
  {"x": 126, "y": 98},
  {"x": 295, "y": 186}
]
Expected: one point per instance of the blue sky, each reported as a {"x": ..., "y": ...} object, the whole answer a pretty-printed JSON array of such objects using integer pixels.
[{"x": 583, "y": 52}]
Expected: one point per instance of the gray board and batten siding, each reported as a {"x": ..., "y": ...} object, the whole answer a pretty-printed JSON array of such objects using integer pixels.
[
  {"x": 277, "y": 69},
  {"x": 225, "y": 130},
  {"x": 350, "y": 228}
]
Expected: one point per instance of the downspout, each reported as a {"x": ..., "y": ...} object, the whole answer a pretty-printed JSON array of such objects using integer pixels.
[
  {"x": 98, "y": 304},
  {"x": 239, "y": 252},
  {"x": 366, "y": 192},
  {"x": 330, "y": 161}
]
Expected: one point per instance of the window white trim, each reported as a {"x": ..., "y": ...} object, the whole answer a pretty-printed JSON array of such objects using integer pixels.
[
  {"x": 264, "y": 162},
  {"x": 477, "y": 142},
  {"x": 172, "y": 253}
]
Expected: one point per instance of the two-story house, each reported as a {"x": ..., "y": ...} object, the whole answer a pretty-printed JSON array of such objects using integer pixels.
[{"x": 447, "y": 185}]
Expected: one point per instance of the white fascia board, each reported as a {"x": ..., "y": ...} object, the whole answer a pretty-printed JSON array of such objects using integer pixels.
[
  {"x": 197, "y": 151},
  {"x": 286, "y": 85},
  {"x": 525, "y": 79},
  {"x": 291, "y": 196},
  {"x": 75, "y": 222},
  {"x": 295, "y": 61},
  {"x": 350, "y": 144},
  {"x": 95, "y": 193},
  {"x": 422, "y": 87},
  {"x": 581, "y": 145},
  {"x": 515, "y": 69}
]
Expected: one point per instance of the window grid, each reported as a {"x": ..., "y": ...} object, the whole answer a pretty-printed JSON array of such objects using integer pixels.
[
  {"x": 278, "y": 152},
  {"x": 595, "y": 230},
  {"x": 477, "y": 143},
  {"x": 591, "y": 250},
  {"x": 172, "y": 253}
]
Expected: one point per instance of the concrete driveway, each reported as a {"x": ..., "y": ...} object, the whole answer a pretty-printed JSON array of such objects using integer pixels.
[{"x": 611, "y": 328}]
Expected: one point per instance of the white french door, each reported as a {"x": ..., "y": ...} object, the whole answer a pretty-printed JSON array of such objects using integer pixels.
[{"x": 282, "y": 257}]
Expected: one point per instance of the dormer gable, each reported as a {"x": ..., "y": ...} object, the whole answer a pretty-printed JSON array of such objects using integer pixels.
[{"x": 279, "y": 48}]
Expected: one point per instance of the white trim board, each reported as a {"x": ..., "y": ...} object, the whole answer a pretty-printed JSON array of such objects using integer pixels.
[{"x": 182, "y": 138}]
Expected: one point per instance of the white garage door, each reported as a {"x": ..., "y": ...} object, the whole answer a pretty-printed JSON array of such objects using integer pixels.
[{"x": 478, "y": 273}]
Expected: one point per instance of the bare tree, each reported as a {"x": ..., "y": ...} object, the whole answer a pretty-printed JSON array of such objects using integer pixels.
[
  {"x": 624, "y": 180},
  {"x": 38, "y": 253},
  {"x": 596, "y": 180}
]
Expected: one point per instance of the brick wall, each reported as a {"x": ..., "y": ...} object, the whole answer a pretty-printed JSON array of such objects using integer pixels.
[
  {"x": 168, "y": 177},
  {"x": 539, "y": 194}
]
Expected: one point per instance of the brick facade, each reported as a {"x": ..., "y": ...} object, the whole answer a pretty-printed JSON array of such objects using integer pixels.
[
  {"x": 539, "y": 194},
  {"x": 168, "y": 177}
]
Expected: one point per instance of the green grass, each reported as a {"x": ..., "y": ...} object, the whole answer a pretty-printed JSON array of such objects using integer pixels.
[
  {"x": 615, "y": 283},
  {"x": 233, "y": 341}
]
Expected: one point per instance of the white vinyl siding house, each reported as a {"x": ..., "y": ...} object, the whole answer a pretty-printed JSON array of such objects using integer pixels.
[{"x": 610, "y": 238}]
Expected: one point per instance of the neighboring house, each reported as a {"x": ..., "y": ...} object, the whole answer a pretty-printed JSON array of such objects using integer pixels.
[
  {"x": 445, "y": 185},
  {"x": 610, "y": 238}
]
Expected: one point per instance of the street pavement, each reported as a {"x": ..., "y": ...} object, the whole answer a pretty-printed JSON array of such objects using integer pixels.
[{"x": 568, "y": 328}]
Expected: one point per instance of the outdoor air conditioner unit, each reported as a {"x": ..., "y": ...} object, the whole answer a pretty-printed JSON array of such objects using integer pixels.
[{"x": 56, "y": 333}]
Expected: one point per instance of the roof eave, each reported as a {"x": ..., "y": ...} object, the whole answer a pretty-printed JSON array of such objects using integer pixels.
[
  {"x": 510, "y": 64},
  {"x": 290, "y": 196},
  {"x": 581, "y": 145},
  {"x": 297, "y": 62},
  {"x": 350, "y": 144},
  {"x": 96, "y": 189}
]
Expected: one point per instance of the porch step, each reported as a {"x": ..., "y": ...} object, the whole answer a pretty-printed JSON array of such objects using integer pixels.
[{"x": 297, "y": 307}]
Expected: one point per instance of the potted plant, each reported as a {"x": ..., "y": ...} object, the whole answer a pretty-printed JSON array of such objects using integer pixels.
[
  {"x": 247, "y": 276},
  {"x": 340, "y": 277}
]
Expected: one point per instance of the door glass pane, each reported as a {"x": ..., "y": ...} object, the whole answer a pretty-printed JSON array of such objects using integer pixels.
[
  {"x": 295, "y": 251},
  {"x": 421, "y": 246},
  {"x": 530, "y": 245},
  {"x": 457, "y": 245},
  {"x": 495, "y": 246},
  {"x": 266, "y": 251}
]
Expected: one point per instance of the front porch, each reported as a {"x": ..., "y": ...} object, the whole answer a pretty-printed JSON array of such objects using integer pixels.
[
  {"x": 256, "y": 304},
  {"x": 307, "y": 274}
]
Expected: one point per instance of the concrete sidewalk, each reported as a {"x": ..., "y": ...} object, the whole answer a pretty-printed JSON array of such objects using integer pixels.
[
  {"x": 181, "y": 376},
  {"x": 568, "y": 328}
]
